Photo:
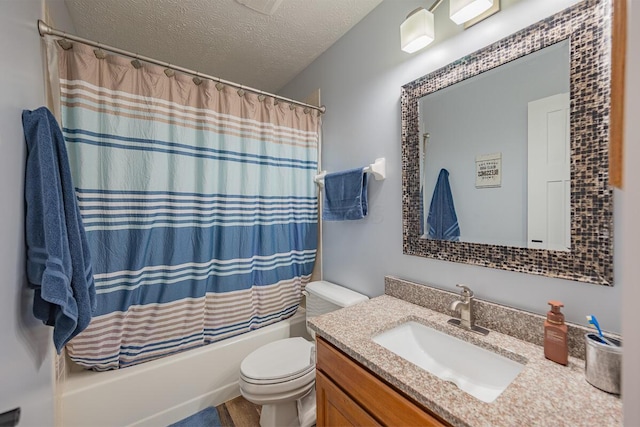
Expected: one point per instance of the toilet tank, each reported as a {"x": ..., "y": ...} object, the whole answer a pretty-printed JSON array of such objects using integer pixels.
[{"x": 324, "y": 297}]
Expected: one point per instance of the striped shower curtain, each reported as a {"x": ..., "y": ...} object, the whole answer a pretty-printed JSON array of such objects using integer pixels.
[{"x": 198, "y": 201}]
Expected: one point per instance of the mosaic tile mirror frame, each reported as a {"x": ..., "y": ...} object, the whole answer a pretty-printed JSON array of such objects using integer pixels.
[{"x": 588, "y": 27}]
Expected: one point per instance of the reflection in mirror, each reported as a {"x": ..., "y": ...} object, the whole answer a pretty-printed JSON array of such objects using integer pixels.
[
  {"x": 479, "y": 148},
  {"x": 503, "y": 139}
]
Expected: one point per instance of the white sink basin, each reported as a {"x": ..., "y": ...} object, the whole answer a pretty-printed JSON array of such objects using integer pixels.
[{"x": 481, "y": 373}]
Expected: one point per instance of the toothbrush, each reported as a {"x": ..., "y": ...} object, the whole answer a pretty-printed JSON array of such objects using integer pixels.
[{"x": 592, "y": 319}]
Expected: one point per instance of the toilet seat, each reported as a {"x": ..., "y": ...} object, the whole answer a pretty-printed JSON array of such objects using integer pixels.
[
  {"x": 277, "y": 393},
  {"x": 278, "y": 362},
  {"x": 278, "y": 372},
  {"x": 260, "y": 381}
]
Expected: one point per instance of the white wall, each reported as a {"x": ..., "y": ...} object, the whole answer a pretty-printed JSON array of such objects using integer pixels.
[
  {"x": 360, "y": 78},
  {"x": 630, "y": 229},
  {"x": 57, "y": 15},
  {"x": 26, "y": 375}
]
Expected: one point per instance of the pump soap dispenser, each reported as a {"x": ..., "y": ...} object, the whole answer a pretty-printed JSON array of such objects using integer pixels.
[{"x": 555, "y": 335}]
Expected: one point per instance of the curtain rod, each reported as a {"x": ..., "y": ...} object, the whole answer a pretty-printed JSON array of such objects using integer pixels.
[{"x": 44, "y": 29}]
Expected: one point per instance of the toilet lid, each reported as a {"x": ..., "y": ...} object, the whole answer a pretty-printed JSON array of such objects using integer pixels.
[{"x": 278, "y": 360}]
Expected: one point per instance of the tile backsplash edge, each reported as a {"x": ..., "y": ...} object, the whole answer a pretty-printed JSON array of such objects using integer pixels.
[{"x": 517, "y": 323}]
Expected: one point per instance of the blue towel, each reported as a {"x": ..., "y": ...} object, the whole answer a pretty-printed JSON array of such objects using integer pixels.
[
  {"x": 58, "y": 261},
  {"x": 345, "y": 195},
  {"x": 442, "y": 219}
]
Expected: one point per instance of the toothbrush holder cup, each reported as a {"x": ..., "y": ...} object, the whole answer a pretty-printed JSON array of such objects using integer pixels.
[{"x": 603, "y": 363}]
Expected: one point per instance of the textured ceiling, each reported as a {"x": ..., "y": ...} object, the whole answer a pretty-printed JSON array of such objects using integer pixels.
[{"x": 221, "y": 37}]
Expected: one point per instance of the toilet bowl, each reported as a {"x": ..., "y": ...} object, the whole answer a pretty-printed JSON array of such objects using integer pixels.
[
  {"x": 280, "y": 375},
  {"x": 276, "y": 376}
]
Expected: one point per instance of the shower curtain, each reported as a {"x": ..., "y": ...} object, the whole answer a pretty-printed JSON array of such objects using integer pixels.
[{"x": 198, "y": 200}]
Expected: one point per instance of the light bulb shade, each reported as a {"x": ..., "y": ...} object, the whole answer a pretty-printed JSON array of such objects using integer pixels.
[
  {"x": 460, "y": 11},
  {"x": 417, "y": 31}
]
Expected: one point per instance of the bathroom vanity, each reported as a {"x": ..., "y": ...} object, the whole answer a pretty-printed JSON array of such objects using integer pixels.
[
  {"x": 349, "y": 394},
  {"x": 360, "y": 382}
]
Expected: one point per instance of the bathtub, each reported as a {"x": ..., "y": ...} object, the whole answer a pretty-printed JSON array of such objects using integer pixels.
[{"x": 163, "y": 391}]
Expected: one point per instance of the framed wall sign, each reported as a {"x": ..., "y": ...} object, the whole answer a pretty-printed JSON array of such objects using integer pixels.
[{"x": 489, "y": 170}]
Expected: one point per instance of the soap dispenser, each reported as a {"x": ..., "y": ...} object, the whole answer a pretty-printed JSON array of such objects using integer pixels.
[{"x": 555, "y": 335}]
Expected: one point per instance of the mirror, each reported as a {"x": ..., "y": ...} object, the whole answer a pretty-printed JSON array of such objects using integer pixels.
[
  {"x": 576, "y": 246},
  {"x": 508, "y": 165}
]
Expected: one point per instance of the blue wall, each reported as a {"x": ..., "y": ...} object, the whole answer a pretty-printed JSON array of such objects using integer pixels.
[
  {"x": 26, "y": 374},
  {"x": 360, "y": 78}
]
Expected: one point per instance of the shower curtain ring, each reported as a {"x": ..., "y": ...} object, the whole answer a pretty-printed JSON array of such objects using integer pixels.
[
  {"x": 99, "y": 53},
  {"x": 65, "y": 44},
  {"x": 136, "y": 62}
]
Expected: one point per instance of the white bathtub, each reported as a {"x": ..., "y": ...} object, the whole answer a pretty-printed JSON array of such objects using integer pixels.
[{"x": 163, "y": 391}]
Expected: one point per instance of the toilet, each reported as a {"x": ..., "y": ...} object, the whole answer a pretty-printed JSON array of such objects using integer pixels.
[{"x": 281, "y": 375}]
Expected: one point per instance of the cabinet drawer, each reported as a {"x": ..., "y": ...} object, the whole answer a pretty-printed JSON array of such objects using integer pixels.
[{"x": 387, "y": 405}]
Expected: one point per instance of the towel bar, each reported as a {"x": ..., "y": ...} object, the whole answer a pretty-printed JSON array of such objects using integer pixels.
[{"x": 377, "y": 168}]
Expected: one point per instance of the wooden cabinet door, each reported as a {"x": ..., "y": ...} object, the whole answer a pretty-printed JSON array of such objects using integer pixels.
[
  {"x": 382, "y": 404},
  {"x": 336, "y": 409}
]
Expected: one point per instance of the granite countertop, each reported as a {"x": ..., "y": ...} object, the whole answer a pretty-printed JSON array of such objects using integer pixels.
[{"x": 544, "y": 393}]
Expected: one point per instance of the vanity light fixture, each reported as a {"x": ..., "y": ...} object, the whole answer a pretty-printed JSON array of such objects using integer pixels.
[
  {"x": 418, "y": 29},
  {"x": 461, "y": 11}
]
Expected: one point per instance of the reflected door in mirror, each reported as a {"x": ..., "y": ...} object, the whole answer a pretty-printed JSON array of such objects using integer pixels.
[{"x": 549, "y": 174}]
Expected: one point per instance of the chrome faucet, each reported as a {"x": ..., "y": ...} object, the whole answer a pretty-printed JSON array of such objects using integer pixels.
[{"x": 464, "y": 305}]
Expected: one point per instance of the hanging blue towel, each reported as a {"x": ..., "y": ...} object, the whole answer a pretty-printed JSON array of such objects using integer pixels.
[
  {"x": 442, "y": 219},
  {"x": 345, "y": 195},
  {"x": 58, "y": 261}
]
